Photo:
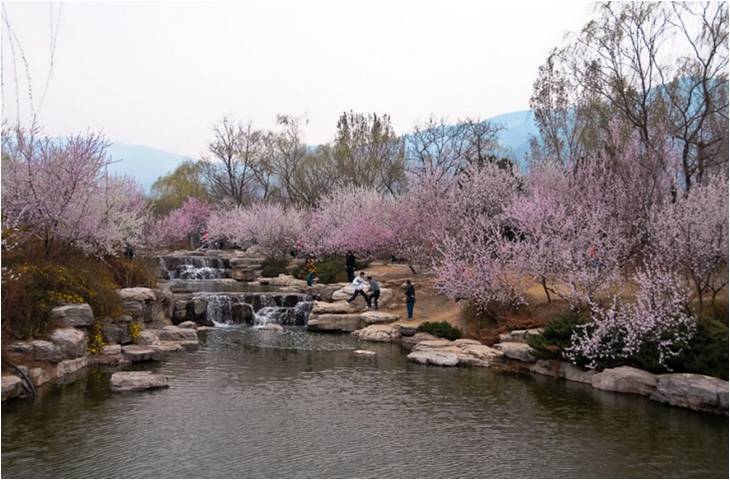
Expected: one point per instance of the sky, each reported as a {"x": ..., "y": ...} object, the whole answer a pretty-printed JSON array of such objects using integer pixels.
[{"x": 162, "y": 74}]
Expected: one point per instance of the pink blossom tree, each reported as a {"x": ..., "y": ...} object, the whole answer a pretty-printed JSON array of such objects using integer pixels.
[
  {"x": 690, "y": 236},
  {"x": 180, "y": 225},
  {"x": 272, "y": 227},
  {"x": 659, "y": 321},
  {"x": 59, "y": 191}
]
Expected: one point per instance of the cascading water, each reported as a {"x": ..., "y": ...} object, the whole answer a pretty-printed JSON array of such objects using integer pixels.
[
  {"x": 193, "y": 268},
  {"x": 219, "y": 310},
  {"x": 257, "y": 309}
]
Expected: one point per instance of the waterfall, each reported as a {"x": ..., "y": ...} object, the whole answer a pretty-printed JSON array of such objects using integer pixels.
[
  {"x": 219, "y": 310},
  {"x": 193, "y": 268}
]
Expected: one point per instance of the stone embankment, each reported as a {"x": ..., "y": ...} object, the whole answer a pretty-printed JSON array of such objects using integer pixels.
[
  {"x": 142, "y": 333},
  {"x": 686, "y": 390}
]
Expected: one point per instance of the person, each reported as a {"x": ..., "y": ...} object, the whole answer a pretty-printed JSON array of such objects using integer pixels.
[
  {"x": 350, "y": 265},
  {"x": 204, "y": 245},
  {"x": 129, "y": 251},
  {"x": 310, "y": 267},
  {"x": 410, "y": 298},
  {"x": 359, "y": 284},
  {"x": 374, "y": 291}
]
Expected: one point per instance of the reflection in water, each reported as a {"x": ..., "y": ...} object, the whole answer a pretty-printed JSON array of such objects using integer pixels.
[{"x": 254, "y": 403}]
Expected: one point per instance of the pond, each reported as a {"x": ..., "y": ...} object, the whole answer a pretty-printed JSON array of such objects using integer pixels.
[{"x": 252, "y": 403}]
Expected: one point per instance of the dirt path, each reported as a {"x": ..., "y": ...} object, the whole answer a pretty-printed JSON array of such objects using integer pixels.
[{"x": 431, "y": 306}]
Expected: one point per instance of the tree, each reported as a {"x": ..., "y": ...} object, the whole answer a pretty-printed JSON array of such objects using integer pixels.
[
  {"x": 368, "y": 153},
  {"x": 186, "y": 181},
  {"x": 59, "y": 191},
  {"x": 237, "y": 151}
]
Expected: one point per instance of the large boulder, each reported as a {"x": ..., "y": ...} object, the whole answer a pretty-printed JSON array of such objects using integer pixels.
[
  {"x": 693, "y": 391},
  {"x": 141, "y": 353},
  {"x": 625, "y": 380},
  {"x": 137, "y": 381},
  {"x": 188, "y": 324},
  {"x": 12, "y": 387},
  {"x": 147, "y": 337},
  {"x": 45, "y": 351},
  {"x": 74, "y": 315},
  {"x": 434, "y": 357},
  {"x": 177, "y": 334},
  {"x": 71, "y": 341},
  {"x": 332, "y": 307},
  {"x": 410, "y": 341},
  {"x": 116, "y": 332},
  {"x": 516, "y": 351},
  {"x": 242, "y": 313},
  {"x": 376, "y": 316},
  {"x": 378, "y": 333},
  {"x": 137, "y": 294},
  {"x": 335, "y": 323},
  {"x": 67, "y": 367},
  {"x": 37, "y": 375}
]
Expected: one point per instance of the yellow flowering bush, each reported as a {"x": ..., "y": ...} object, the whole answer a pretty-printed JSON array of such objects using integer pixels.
[
  {"x": 134, "y": 330},
  {"x": 96, "y": 342}
]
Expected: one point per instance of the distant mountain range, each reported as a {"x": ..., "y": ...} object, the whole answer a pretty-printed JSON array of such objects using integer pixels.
[{"x": 147, "y": 164}]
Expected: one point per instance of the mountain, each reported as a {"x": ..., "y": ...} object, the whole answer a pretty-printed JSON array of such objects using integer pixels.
[
  {"x": 518, "y": 128},
  {"x": 144, "y": 164}
]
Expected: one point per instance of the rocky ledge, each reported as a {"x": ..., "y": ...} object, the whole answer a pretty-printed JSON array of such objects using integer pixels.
[{"x": 137, "y": 381}]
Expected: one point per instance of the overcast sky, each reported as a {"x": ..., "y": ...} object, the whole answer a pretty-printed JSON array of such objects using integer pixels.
[{"x": 160, "y": 74}]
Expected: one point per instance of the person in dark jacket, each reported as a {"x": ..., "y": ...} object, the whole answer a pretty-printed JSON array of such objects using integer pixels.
[
  {"x": 350, "y": 266},
  {"x": 311, "y": 268},
  {"x": 410, "y": 298},
  {"x": 374, "y": 291}
]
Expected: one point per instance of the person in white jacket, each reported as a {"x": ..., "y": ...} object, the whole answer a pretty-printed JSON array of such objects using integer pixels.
[{"x": 359, "y": 284}]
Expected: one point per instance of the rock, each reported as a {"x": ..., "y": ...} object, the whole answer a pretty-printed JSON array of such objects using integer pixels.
[
  {"x": 546, "y": 367},
  {"x": 693, "y": 391},
  {"x": 433, "y": 344},
  {"x": 37, "y": 375},
  {"x": 74, "y": 315},
  {"x": 133, "y": 309},
  {"x": 411, "y": 341},
  {"x": 166, "y": 346},
  {"x": 68, "y": 367},
  {"x": 71, "y": 341},
  {"x": 506, "y": 337},
  {"x": 516, "y": 351},
  {"x": 137, "y": 294},
  {"x": 188, "y": 324},
  {"x": 116, "y": 332},
  {"x": 12, "y": 387},
  {"x": 477, "y": 355},
  {"x": 137, "y": 381},
  {"x": 112, "y": 350},
  {"x": 378, "y": 333},
  {"x": 45, "y": 351},
  {"x": 23, "y": 348},
  {"x": 200, "y": 305},
  {"x": 375, "y": 316},
  {"x": 177, "y": 334},
  {"x": 147, "y": 337},
  {"x": 334, "y": 323},
  {"x": 242, "y": 313},
  {"x": 434, "y": 357},
  {"x": 570, "y": 372},
  {"x": 141, "y": 353},
  {"x": 466, "y": 341},
  {"x": 364, "y": 353},
  {"x": 324, "y": 291},
  {"x": 408, "y": 331},
  {"x": 521, "y": 335},
  {"x": 625, "y": 380},
  {"x": 332, "y": 307}
]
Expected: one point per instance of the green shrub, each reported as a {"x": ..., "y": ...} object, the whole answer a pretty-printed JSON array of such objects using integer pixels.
[
  {"x": 555, "y": 338},
  {"x": 441, "y": 329},
  {"x": 329, "y": 270},
  {"x": 272, "y": 267},
  {"x": 31, "y": 290},
  {"x": 708, "y": 350}
]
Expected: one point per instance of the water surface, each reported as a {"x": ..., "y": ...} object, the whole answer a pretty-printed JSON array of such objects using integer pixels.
[{"x": 252, "y": 403}]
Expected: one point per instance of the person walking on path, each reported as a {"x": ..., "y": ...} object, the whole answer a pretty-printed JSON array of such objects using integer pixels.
[
  {"x": 410, "y": 298},
  {"x": 350, "y": 265},
  {"x": 310, "y": 267},
  {"x": 374, "y": 291},
  {"x": 359, "y": 284}
]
